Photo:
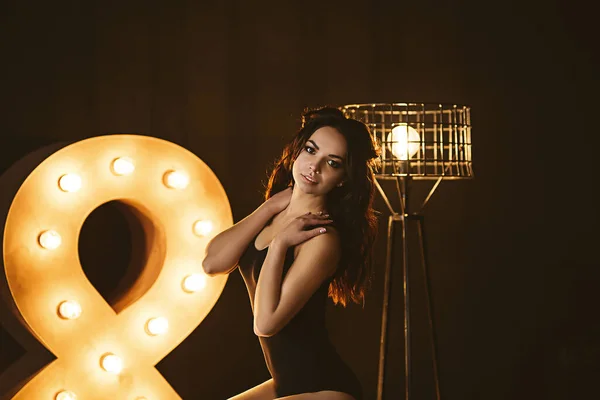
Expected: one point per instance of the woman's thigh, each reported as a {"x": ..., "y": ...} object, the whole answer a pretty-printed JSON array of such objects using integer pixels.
[
  {"x": 324, "y": 395},
  {"x": 264, "y": 391}
]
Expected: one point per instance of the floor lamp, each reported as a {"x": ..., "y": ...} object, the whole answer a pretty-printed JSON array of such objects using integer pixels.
[{"x": 419, "y": 141}]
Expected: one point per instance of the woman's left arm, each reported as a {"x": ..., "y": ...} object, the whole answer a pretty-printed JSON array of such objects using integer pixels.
[{"x": 277, "y": 302}]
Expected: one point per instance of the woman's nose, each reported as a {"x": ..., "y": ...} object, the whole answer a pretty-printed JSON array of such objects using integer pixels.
[{"x": 316, "y": 170}]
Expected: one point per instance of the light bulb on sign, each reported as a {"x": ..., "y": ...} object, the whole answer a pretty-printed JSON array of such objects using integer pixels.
[
  {"x": 157, "y": 326},
  {"x": 69, "y": 183},
  {"x": 111, "y": 363},
  {"x": 49, "y": 240},
  {"x": 194, "y": 283},
  {"x": 176, "y": 180},
  {"x": 203, "y": 227},
  {"x": 69, "y": 309},
  {"x": 123, "y": 166},
  {"x": 405, "y": 141},
  {"x": 65, "y": 395}
]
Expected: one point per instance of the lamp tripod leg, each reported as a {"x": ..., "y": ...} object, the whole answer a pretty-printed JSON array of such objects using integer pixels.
[
  {"x": 422, "y": 243},
  {"x": 385, "y": 312},
  {"x": 407, "y": 341}
]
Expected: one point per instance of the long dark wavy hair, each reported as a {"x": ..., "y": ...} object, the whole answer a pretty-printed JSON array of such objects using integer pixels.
[{"x": 350, "y": 206}]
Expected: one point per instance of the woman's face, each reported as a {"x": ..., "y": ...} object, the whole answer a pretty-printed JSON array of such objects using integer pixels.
[{"x": 320, "y": 166}]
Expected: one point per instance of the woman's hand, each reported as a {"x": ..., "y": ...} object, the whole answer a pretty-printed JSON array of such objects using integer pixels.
[
  {"x": 301, "y": 229},
  {"x": 279, "y": 201}
]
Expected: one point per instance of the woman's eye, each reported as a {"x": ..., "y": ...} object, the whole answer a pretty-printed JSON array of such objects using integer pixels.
[
  {"x": 334, "y": 164},
  {"x": 309, "y": 149}
]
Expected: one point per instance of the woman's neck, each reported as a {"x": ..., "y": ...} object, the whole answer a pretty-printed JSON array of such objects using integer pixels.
[{"x": 301, "y": 203}]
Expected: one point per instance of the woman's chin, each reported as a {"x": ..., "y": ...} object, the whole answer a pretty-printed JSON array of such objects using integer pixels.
[{"x": 315, "y": 190}]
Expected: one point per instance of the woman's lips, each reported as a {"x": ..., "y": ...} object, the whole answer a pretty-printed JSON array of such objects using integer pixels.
[{"x": 308, "y": 179}]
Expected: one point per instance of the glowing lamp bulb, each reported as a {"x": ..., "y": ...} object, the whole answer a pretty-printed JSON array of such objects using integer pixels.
[
  {"x": 111, "y": 363},
  {"x": 194, "y": 283},
  {"x": 176, "y": 180},
  {"x": 65, "y": 395},
  {"x": 157, "y": 326},
  {"x": 69, "y": 309},
  {"x": 123, "y": 166},
  {"x": 69, "y": 183},
  {"x": 405, "y": 141},
  {"x": 49, "y": 240},
  {"x": 203, "y": 227}
]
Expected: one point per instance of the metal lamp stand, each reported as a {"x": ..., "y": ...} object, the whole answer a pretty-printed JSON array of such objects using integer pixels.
[
  {"x": 418, "y": 141},
  {"x": 402, "y": 217}
]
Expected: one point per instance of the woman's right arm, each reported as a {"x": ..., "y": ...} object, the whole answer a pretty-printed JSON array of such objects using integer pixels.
[{"x": 224, "y": 250}]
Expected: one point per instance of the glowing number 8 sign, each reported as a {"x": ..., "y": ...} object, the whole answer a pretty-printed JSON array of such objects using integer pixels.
[{"x": 102, "y": 353}]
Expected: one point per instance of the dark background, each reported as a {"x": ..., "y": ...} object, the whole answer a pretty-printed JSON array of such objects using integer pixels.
[{"x": 513, "y": 263}]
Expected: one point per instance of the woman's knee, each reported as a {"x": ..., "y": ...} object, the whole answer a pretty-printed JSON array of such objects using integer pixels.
[
  {"x": 323, "y": 395},
  {"x": 264, "y": 391}
]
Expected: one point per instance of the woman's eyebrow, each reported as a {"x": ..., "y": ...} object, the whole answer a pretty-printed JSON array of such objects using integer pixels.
[{"x": 330, "y": 155}]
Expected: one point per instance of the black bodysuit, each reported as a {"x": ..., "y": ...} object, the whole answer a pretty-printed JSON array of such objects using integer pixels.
[{"x": 300, "y": 356}]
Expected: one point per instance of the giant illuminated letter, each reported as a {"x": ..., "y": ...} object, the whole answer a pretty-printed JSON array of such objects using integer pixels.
[{"x": 105, "y": 352}]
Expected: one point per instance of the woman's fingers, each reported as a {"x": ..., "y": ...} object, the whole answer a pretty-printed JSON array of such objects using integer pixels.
[
  {"x": 316, "y": 221},
  {"x": 309, "y": 234},
  {"x": 314, "y": 216},
  {"x": 318, "y": 231},
  {"x": 304, "y": 228},
  {"x": 304, "y": 235}
]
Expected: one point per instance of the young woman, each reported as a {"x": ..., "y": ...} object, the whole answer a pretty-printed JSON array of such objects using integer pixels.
[{"x": 311, "y": 239}]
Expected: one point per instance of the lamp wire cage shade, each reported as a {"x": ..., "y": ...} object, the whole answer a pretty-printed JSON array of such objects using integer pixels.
[{"x": 419, "y": 140}]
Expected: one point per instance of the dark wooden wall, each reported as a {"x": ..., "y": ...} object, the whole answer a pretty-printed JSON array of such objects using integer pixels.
[{"x": 513, "y": 261}]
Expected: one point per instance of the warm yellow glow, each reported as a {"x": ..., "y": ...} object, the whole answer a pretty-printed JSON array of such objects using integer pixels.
[
  {"x": 66, "y": 395},
  {"x": 49, "y": 240},
  {"x": 69, "y": 183},
  {"x": 176, "y": 180},
  {"x": 44, "y": 284},
  {"x": 203, "y": 227},
  {"x": 123, "y": 166},
  {"x": 405, "y": 141},
  {"x": 111, "y": 363},
  {"x": 157, "y": 326},
  {"x": 69, "y": 309},
  {"x": 194, "y": 283}
]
